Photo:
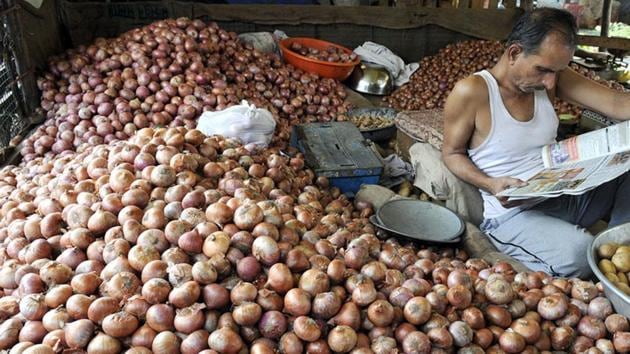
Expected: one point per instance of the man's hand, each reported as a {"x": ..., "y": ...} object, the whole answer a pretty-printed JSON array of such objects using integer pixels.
[{"x": 499, "y": 184}]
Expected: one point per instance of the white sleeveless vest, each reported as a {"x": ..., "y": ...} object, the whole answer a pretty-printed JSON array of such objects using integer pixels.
[{"x": 512, "y": 148}]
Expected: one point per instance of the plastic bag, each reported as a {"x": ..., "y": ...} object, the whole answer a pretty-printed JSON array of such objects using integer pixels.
[{"x": 244, "y": 121}]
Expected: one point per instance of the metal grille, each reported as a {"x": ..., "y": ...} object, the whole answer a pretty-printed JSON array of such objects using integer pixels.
[{"x": 11, "y": 100}]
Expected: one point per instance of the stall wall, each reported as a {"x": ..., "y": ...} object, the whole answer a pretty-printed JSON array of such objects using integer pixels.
[{"x": 410, "y": 32}]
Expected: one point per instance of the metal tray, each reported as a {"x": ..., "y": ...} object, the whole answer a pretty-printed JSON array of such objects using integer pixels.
[
  {"x": 377, "y": 134},
  {"x": 618, "y": 234},
  {"x": 419, "y": 220}
]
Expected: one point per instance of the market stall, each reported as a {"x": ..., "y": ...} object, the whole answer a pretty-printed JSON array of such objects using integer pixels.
[{"x": 187, "y": 186}]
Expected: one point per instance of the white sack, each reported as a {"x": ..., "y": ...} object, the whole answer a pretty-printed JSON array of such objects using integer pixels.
[
  {"x": 244, "y": 121},
  {"x": 379, "y": 54}
]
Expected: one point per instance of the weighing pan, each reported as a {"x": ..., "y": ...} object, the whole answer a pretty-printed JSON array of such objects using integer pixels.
[{"x": 419, "y": 220}]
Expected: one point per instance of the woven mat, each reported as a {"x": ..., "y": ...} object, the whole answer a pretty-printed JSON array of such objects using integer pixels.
[{"x": 424, "y": 125}]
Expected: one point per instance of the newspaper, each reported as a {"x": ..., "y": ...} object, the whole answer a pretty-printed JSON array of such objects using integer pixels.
[{"x": 579, "y": 164}]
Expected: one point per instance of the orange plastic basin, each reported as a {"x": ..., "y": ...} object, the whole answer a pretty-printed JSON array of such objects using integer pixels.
[{"x": 339, "y": 71}]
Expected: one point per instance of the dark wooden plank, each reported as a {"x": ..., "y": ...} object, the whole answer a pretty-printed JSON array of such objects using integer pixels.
[
  {"x": 605, "y": 42},
  {"x": 480, "y": 23},
  {"x": 509, "y": 4},
  {"x": 408, "y": 3},
  {"x": 527, "y": 4},
  {"x": 464, "y": 4},
  {"x": 477, "y": 4}
]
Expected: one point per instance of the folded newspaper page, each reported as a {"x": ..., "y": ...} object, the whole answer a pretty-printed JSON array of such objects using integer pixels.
[{"x": 579, "y": 164}]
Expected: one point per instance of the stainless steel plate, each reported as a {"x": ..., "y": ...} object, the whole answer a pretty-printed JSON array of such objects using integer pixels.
[{"x": 420, "y": 220}]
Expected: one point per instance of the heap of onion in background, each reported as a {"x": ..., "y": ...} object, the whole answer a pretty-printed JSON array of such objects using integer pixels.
[
  {"x": 431, "y": 84},
  {"x": 176, "y": 242},
  {"x": 167, "y": 74}
]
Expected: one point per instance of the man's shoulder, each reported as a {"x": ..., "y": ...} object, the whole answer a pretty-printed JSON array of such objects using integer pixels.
[{"x": 472, "y": 87}]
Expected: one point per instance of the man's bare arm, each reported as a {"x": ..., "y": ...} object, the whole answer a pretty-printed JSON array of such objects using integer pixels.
[{"x": 575, "y": 88}]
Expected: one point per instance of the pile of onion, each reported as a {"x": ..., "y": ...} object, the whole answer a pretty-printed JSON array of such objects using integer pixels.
[
  {"x": 431, "y": 84},
  {"x": 174, "y": 242},
  {"x": 167, "y": 74}
]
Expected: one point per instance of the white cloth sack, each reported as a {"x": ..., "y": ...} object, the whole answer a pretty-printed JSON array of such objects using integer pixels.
[
  {"x": 265, "y": 42},
  {"x": 244, "y": 121},
  {"x": 379, "y": 54}
]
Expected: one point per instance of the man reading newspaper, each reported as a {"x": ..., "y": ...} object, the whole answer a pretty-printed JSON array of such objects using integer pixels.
[{"x": 496, "y": 123}]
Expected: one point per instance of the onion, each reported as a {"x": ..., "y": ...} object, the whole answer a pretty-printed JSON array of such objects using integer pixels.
[
  {"x": 592, "y": 327},
  {"x": 616, "y": 323},
  {"x": 189, "y": 319},
  {"x": 165, "y": 342},
  {"x": 342, "y": 339},
  {"x": 498, "y": 291},
  {"x": 79, "y": 333},
  {"x": 143, "y": 336},
  {"x": 297, "y": 302},
  {"x": 33, "y": 331},
  {"x": 160, "y": 317},
  {"x": 195, "y": 342},
  {"x": 248, "y": 269},
  {"x": 33, "y": 307},
  {"x": 600, "y": 307},
  {"x": 417, "y": 310},
  {"x": 247, "y": 313},
  {"x": 313, "y": 281},
  {"x": 381, "y": 313},
  {"x": 55, "y": 319},
  {"x": 55, "y": 273},
  {"x": 156, "y": 290},
  {"x": 9, "y": 331},
  {"x": 86, "y": 283},
  {"x": 103, "y": 344},
  {"x": 216, "y": 243},
  {"x": 266, "y": 250},
  {"x": 248, "y": 216},
  {"x": 280, "y": 278},
  {"x": 120, "y": 324},
  {"x": 39, "y": 349},
  {"x": 416, "y": 342},
  {"x": 185, "y": 294},
  {"x": 462, "y": 334},
  {"x": 101, "y": 308},
  {"x": 553, "y": 307},
  {"x": 512, "y": 342},
  {"x": 306, "y": 329},
  {"x": 225, "y": 340}
]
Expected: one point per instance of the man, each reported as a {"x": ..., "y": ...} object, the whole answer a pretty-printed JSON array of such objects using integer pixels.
[{"x": 496, "y": 122}]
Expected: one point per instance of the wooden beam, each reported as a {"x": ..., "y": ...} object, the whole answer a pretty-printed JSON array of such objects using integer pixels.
[
  {"x": 480, "y": 23},
  {"x": 605, "y": 42}
]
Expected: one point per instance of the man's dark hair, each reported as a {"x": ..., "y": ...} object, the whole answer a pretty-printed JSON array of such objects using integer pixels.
[{"x": 533, "y": 27}]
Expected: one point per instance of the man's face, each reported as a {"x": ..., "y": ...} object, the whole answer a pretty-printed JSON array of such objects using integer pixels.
[{"x": 538, "y": 70}]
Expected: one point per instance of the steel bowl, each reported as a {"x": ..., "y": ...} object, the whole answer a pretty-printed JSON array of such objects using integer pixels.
[
  {"x": 618, "y": 234},
  {"x": 372, "y": 79},
  {"x": 377, "y": 134}
]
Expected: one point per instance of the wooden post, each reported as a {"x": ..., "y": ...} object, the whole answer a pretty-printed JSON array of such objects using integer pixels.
[{"x": 605, "y": 22}]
